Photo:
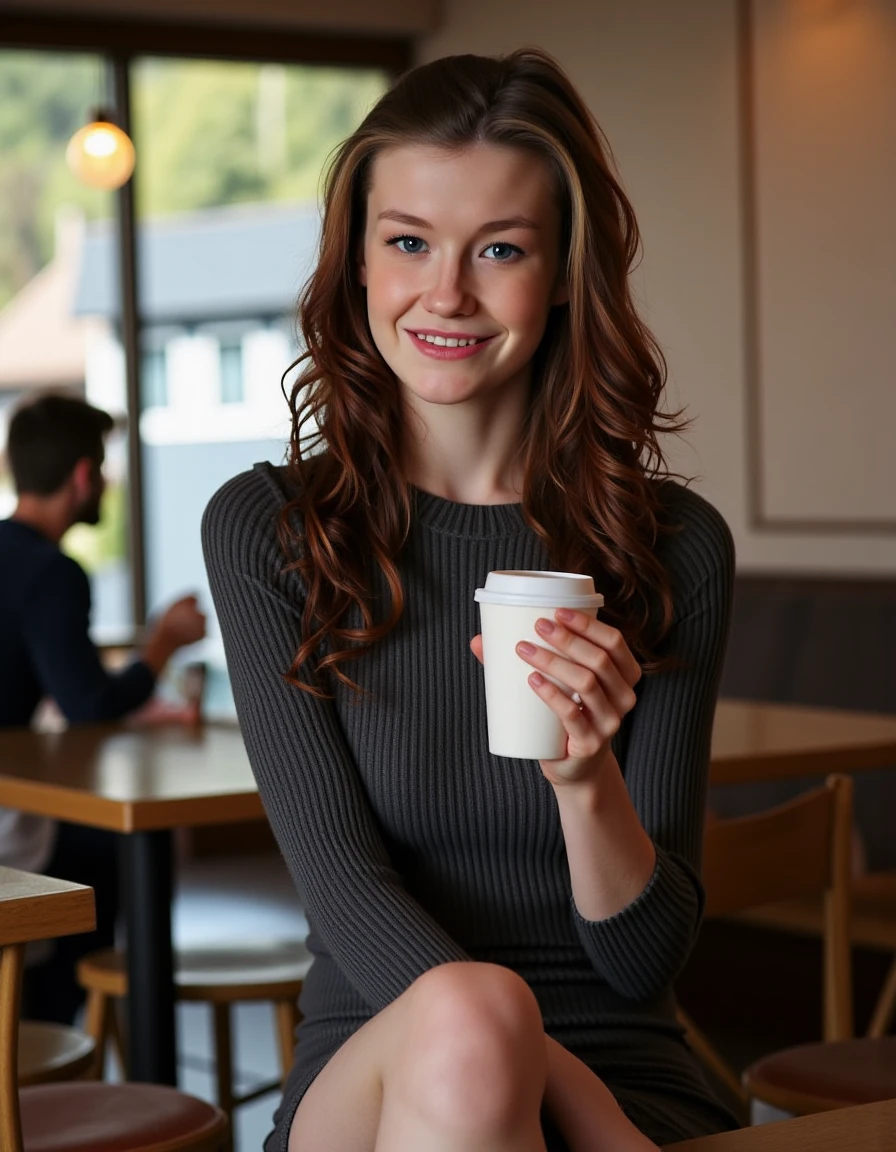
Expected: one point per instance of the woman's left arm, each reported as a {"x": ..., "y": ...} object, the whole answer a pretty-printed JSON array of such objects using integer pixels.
[{"x": 633, "y": 831}]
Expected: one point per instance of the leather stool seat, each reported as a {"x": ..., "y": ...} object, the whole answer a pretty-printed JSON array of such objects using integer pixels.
[
  {"x": 91, "y": 1117},
  {"x": 818, "y": 1077},
  {"x": 49, "y": 1052}
]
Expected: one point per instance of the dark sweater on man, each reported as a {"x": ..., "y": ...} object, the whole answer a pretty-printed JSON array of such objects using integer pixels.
[
  {"x": 414, "y": 846},
  {"x": 45, "y": 645}
]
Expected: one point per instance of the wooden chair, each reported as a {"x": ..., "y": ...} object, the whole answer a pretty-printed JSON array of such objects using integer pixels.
[
  {"x": 221, "y": 976},
  {"x": 799, "y": 848},
  {"x": 872, "y": 925},
  {"x": 78, "y": 1116}
]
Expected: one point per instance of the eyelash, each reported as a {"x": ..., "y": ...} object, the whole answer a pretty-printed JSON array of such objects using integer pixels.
[{"x": 515, "y": 250}]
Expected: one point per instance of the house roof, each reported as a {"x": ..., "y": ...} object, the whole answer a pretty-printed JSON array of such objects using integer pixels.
[
  {"x": 42, "y": 344},
  {"x": 233, "y": 262}
]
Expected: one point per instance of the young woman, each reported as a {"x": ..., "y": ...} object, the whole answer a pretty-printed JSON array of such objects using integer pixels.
[{"x": 494, "y": 939}]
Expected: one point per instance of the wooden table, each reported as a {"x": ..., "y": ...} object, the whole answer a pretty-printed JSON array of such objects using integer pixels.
[
  {"x": 42, "y": 908},
  {"x": 142, "y": 783},
  {"x": 145, "y": 782},
  {"x": 756, "y": 742},
  {"x": 865, "y": 1128}
]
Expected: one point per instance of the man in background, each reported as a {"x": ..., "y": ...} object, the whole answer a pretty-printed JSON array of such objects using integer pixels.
[{"x": 55, "y": 449}]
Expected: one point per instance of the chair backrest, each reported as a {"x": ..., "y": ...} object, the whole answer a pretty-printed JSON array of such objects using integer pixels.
[
  {"x": 800, "y": 848},
  {"x": 31, "y": 908}
]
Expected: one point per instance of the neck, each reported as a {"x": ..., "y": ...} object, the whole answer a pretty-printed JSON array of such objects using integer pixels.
[
  {"x": 45, "y": 514},
  {"x": 465, "y": 454}
]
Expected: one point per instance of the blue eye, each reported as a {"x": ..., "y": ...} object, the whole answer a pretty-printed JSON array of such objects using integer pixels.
[
  {"x": 503, "y": 253},
  {"x": 410, "y": 245}
]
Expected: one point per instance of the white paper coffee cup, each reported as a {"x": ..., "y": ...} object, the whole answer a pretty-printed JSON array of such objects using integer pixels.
[{"x": 520, "y": 724}]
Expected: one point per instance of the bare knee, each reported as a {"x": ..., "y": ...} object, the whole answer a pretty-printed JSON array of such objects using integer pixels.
[{"x": 474, "y": 1054}]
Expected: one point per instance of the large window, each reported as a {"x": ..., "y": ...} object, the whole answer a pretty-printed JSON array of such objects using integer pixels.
[{"x": 229, "y": 163}]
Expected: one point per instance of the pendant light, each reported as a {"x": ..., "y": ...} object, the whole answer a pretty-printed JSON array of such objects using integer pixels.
[{"x": 100, "y": 154}]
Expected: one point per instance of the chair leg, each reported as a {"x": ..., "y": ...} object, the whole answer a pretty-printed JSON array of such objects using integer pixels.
[
  {"x": 885, "y": 1008},
  {"x": 115, "y": 1010},
  {"x": 286, "y": 1020},
  {"x": 95, "y": 1025},
  {"x": 224, "y": 1066}
]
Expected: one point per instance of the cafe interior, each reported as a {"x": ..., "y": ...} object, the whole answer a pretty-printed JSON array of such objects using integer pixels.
[{"x": 755, "y": 141}]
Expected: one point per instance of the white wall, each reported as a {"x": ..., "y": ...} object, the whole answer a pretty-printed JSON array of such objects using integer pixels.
[{"x": 662, "y": 79}]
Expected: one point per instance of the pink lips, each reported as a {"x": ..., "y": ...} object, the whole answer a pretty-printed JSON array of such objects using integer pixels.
[{"x": 442, "y": 352}]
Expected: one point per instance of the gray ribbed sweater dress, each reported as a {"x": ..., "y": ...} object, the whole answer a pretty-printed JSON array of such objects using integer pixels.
[{"x": 413, "y": 845}]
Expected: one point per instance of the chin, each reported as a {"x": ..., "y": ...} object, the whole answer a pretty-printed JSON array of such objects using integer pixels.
[{"x": 89, "y": 515}]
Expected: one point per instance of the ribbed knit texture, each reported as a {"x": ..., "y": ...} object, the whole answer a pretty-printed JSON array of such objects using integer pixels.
[{"x": 413, "y": 845}]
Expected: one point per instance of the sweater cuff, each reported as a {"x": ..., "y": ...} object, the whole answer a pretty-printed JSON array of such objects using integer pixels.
[{"x": 640, "y": 949}]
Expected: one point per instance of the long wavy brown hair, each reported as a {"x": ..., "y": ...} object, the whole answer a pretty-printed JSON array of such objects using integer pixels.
[{"x": 590, "y": 441}]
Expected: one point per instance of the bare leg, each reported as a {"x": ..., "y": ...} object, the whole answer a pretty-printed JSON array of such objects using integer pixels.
[
  {"x": 585, "y": 1110},
  {"x": 458, "y": 1063}
]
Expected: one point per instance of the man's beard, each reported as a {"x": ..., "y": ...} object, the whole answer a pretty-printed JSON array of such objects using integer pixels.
[{"x": 90, "y": 510}]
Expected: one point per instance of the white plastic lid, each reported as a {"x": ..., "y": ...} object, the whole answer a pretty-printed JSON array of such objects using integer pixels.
[{"x": 540, "y": 589}]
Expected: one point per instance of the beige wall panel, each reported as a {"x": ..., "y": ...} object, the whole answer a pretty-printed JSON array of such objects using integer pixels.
[
  {"x": 825, "y": 110},
  {"x": 386, "y": 16}
]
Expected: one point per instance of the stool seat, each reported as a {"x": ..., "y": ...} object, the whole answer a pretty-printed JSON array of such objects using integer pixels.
[
  {"x": 49, "y": 1052},
  {"x": 90, "y": 1117},
  {"x": 833, "y": 1074},
  {"x": 259, "y": 970}
]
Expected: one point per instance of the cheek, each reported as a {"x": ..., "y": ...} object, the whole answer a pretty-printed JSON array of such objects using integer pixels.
[
  {"x": 387, "y": 291},
  {"x": 529, "y": 305}
]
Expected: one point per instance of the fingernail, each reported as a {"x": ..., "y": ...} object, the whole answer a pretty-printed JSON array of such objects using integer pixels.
[
  {"x": 565, "y": 614},
  {"x": 536, "y": 679},
  {"x": 545, "y": 627},
  {"x": 525, "y": 648}
]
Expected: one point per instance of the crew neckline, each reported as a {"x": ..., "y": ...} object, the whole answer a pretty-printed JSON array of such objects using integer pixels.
[{"x": 454, "y": 519}]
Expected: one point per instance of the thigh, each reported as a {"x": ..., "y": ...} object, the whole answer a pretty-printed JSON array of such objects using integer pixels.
[{"x": 340, "y": 1111}]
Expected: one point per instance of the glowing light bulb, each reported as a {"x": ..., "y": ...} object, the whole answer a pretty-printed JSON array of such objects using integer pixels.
[{"x": 101, "y": 155}]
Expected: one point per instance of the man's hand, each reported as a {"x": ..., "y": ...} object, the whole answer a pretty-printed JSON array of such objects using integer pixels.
[{"x": 180, "y": 624}]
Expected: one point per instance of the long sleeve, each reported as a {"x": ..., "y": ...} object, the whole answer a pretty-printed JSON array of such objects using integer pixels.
[
  {"x": 664, "y": 754},
  {"x": 56, "y": 633},
  {"x": 378, "y": 935}
]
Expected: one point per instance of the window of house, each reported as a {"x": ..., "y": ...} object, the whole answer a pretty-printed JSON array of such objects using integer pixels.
[
  {"x": 154, "y": 378},
  {"x": 231, "y": 373}
]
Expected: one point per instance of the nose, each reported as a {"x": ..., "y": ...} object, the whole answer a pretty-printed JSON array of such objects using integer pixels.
[{"x": 448, "y": 293}]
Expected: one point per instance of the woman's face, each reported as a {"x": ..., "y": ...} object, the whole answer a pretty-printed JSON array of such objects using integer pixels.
[{"x": 461, "y": 264}]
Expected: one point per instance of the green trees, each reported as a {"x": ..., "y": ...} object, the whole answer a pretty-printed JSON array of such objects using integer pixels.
[{"x": 207, "y": 133}]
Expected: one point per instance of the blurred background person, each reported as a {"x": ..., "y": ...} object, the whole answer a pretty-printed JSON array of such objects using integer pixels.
[{"x": 56, "y": 449}]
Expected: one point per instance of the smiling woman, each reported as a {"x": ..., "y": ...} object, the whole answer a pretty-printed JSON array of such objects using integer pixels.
[{"x": 494, "y": 939}]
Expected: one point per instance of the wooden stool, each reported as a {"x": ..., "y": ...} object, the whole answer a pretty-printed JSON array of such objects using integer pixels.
[
  {"x": 220, "y": 976},
  {"x": 819, "y": 1077},
  {"x": 50, "y": 1052},
  {"x": 80, "y": 1117}
]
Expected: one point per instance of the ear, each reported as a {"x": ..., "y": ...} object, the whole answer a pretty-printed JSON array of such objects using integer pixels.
[
  {"x": 82, "y": 476},
  {"x": 362, "y": 269}
]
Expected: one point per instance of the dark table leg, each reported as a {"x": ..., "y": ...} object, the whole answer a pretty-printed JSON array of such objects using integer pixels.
[{"x": 149, "y": 886}]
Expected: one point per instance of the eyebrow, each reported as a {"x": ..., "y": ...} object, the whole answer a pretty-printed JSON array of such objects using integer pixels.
[{"x": 492, "y": 226}]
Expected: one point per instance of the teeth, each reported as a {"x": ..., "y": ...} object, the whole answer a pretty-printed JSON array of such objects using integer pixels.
[{"x": 445, "y": 342}]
